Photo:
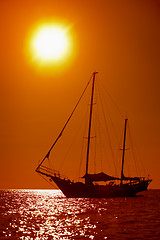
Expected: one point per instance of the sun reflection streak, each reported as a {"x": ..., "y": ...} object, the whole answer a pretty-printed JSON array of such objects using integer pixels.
[{"x": 47, "y": 214}]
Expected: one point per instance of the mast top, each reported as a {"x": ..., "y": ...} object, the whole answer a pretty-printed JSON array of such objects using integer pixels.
[{"x": 94, "y": 73}]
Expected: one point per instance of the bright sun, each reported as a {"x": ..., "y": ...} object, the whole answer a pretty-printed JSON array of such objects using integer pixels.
[{"x": 50, "y": 44}]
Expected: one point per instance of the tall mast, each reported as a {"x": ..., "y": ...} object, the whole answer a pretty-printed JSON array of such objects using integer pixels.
[
  {"x": 124, "y": 143},
  {"x": 90, "y": 122}
]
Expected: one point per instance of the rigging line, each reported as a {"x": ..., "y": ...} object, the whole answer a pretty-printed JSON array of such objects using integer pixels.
[
  {"x": 101, "y": 132},
  {"x": 140, "y": 163},
  {"x": 95, "y": 145},
  {"x": 82, "y": 146},
  {"x": 94, "y": 135},
  {"x": 71, "y": 144},
  {"x": 100, "y": 144},
  {"x": 81, "y": 157},
  {"x": 50, "y": 163},
  {"x": 113, "y": 101},
  {"x": 47, "y": 155},
  {"x": 113, "y": 125},
  {"x": 53, "y": 185},
  {"x": 99, "y": 129},
  {"x": 95, "y": 153},
  {"x": 98, "y": 132},
  {"x": 107, "y": 131},
  {"x": 101, "y": 153}
]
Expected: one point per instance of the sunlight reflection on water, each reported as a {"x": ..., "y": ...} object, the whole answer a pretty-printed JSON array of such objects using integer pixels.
[{"x": 47, "y": 214}]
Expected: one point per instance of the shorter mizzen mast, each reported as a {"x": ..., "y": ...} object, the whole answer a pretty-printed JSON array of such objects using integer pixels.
[{"x": 124, "y": 143}]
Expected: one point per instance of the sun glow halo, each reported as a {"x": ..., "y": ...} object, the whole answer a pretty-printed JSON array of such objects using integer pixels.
[{"x": 51, "y": 44}]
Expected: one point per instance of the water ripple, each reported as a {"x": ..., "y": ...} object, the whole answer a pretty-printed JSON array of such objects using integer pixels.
[{"x": 37, "y": 214}]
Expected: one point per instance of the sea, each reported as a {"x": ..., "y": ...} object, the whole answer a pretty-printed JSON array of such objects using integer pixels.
[{"x": 48, "y": 214}]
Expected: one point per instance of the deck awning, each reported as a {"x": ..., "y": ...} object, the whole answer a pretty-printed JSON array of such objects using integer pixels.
[{"x": 99, "y": 177}]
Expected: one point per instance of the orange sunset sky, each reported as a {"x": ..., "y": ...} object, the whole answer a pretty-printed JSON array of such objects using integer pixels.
[{"x": 119, "y": 39}]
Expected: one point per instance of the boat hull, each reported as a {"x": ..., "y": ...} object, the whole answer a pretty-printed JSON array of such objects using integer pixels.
[{"x": 81, "y": 190}]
